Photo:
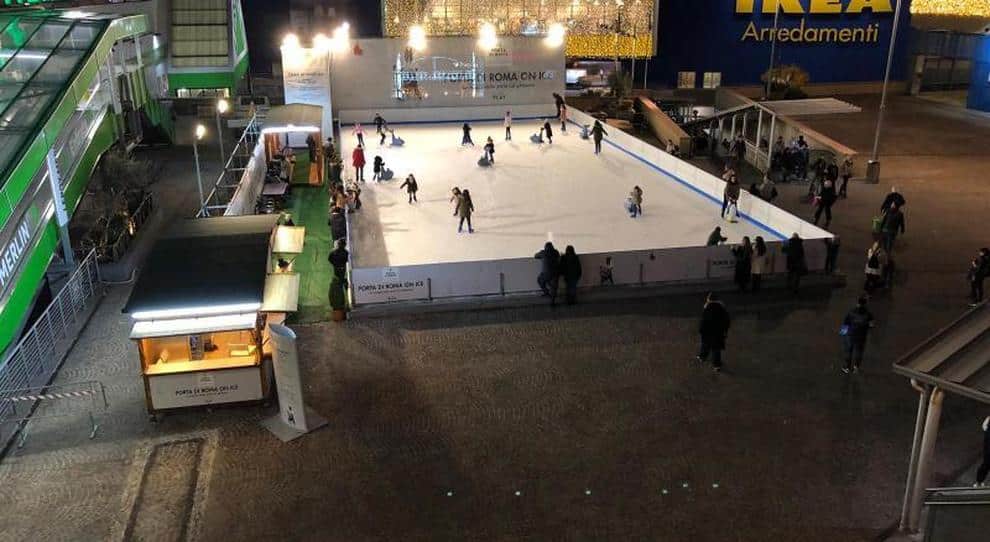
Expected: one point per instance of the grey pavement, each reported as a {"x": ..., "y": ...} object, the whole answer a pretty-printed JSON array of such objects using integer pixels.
[{"x": 596, "y": 414}]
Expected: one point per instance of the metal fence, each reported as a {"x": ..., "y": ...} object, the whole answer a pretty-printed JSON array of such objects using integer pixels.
[{"x": 33, "y": 362}]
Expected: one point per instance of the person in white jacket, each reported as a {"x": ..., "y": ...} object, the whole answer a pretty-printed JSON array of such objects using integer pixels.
[
  {"x": 508, "y": 125},
  {"x": 760, "y": 263}
]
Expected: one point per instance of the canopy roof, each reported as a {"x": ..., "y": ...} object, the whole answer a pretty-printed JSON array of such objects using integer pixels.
[
  {"x": 204, "y": 263},
  {"x": 956, "y": 359}
]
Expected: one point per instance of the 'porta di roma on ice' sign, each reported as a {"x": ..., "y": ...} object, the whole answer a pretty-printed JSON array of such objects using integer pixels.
[{"x": 815, "y": 7}]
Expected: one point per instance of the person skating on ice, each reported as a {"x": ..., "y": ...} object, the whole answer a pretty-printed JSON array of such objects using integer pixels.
[
  {"x": 597, "y": 133},
  {"x": 508, "y": 125},
  {"x": 455, "y": 198},
  {"x": 563, "y": 119},
  {"x": 548, "y": 130},
  {"x": 636, "y": 195},
  {"x": 357, "y": 158},
  {"x": 376, "y": 168},
  {"x": 464, "y": 209},
  {"x": 490, "y": 151},
  {"x": 411, "y": 188},
  {"x": 380, "y": 127},
  {"x": 358, "y": 130},
  {"x": 558, "y": 101},
  {"x": 715, "y": 238},
  {"x": 466, "y": 139}
]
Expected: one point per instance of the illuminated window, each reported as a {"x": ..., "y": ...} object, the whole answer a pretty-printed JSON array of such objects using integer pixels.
[
  {"x": 685, "y": 79},
  {"x": 712, "y": 80}
]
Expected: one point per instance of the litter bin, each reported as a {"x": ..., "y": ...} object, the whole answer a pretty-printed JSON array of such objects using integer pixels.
[{"x": 873, "y": 172}]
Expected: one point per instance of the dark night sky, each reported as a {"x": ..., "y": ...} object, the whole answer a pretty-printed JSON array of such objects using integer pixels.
[{"x": 266, "y": 21}]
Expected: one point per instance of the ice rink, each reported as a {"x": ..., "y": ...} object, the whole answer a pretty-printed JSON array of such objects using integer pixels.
[{"x": 534, "y": 193}]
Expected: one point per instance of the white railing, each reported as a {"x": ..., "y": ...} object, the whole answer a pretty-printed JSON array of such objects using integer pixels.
[{"x": 33, "y": 362}]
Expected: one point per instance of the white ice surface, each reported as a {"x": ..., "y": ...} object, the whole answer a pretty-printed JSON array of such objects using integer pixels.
[{"x": 534, "y": 193}]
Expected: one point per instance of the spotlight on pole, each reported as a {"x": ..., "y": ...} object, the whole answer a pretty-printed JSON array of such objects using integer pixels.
[
  {"x": 322, "y": 42},
  {"x": 555, "y": 35},
  {"x": 341, "y": 37},
  {"x": 290, "y": 41},
  {"x": 487, "y": 36},
  {"x": 223, "y": 106},
  {"x": 417, "y": 37},
  {"x": 200, "y": 131}
]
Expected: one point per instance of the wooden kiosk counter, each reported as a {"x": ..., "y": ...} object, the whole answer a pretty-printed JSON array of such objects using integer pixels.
[{"x": 201, "y": 307}]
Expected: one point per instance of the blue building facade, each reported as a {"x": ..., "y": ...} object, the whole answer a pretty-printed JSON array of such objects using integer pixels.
[{"x": 732, "y": 38}]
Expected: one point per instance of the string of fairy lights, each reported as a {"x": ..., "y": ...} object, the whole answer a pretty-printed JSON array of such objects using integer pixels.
[
  {"x": 595, "y": 28},
  {"x": 957, "y": 8}
]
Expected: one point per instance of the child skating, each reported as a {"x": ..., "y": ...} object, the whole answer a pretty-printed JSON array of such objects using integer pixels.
[
  {"x": 466, "y": 139},
  {"x": 411, "y": 188}
]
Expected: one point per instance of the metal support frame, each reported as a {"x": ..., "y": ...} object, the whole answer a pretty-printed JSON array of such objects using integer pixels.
[
  {"x": 926, "y": 458},
  {"x": 924, "y": 393},
  {"x": 61, "y": 215}
]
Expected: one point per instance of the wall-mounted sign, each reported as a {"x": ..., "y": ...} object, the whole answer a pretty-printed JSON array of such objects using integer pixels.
[
  {"x": 806, "y": 32},
  {"x": 206, "y": 388},
  {"x": 21, "y": 234}
]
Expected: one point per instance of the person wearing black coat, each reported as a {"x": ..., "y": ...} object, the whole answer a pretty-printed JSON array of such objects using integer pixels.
[
  {"x": 797, "y": 267},
  {"x": 891, "y": 226},
  {"x": 466, "y": 139},
  {"x": 597, "y": 133},
  {"x": 570, "y": 269},
  {"x": 714, "y": 329},
  {"x": 743, "y": 255},
  {"x": 549, "y": 277},
  {"x": 894, "y": 198},
  {"x": 548, "y": 131},
  {"x": 856, "y": 325},
  {"x": 338, "y": 259},
  {"x": 338, "y": 223},
  {"x": 826, "y": 198},
  {"x": 411, "y": 187}
]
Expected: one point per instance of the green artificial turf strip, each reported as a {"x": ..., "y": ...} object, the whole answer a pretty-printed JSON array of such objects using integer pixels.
[{"x": 309, "y": 207}]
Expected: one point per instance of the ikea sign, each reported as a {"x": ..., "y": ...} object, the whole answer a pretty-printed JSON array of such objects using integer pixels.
[{"x": 815, "y": 7}]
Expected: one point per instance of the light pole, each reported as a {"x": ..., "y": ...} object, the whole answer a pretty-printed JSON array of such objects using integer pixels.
[
  {"x": 773, "y": 51},
  {"x": 200, "y": 132},
  {"x": 222, "y": 107},
  {"x": 873, "y": 167}
]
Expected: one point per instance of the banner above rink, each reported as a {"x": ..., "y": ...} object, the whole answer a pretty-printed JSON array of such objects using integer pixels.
[{"x": 448, "y": 72}]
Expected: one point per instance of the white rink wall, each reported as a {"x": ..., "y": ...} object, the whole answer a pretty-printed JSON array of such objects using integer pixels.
[{"x": 631, "y": 267}]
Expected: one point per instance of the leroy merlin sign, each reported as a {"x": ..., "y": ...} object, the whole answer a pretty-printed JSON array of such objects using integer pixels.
[{"x": 807, "y": 33}]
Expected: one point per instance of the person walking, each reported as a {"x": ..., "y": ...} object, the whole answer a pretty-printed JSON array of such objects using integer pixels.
[
  {"x": 892, "y": 199},
  {"x": 846, "y": 172},
  {"x": 855, "y": 327},
  {"x": 563, "y": 119},
  {"x": 738, "y": 150},
  {"x": 636, "y": 196},
  {"x": 550, "y": 267},
  {"x": 357, "y": 158},
  {"x": 508, "y": 125},
  {"x": 358, "y": 130},
  {"x": 466, "y": 138},
  {"x": 891, "y": 226},
  {"x": 826, "y": 198},
  {"x": 797, "y": 267},
  {"x": 759, "y": 264},
  {"x": 597, "y": 133},
  {"x": 376, "y": 168},
  {"x": 465, "y": 207},
  {"x": 715, "y": 238},
  {"x": 979, "y": 268},
  {"x": 743, "y": 255},
  {"x": 570, "y": 270},
  {"x": 490, "y": 151},
  {"x": 455, "y": 198},
  {"x": 730, "y": 195},
  {"x": 411, "y": 187},
  {"x": 876, "y": 261},
  {"x": 714, "y": 330},
  {"x": 338, "y": 259},
  {"x": 548, "y": 130},
  {"x": 984, "y": 468}
]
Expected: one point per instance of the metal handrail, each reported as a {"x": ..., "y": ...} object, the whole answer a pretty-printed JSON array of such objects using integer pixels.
[{"x": 253, "y": 128}]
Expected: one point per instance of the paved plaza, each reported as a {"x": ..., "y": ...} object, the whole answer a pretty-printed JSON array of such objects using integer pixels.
[{"x": 590, "y": 422}]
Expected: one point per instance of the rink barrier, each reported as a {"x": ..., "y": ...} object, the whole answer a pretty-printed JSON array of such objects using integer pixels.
[
  {"x": 755, "y": 210},
  {"x": 518, "y": 275},
  {"x": 445, "y": 115}
]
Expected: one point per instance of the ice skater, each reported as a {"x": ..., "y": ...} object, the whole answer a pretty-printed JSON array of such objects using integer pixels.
[
  {"x": 598, "y": 132},
  {"x": 636, "y": 196},
  {"x": 508, "y": 125},
  {"x": 548, "y": 130},
  {"x": 411, "y": 188},
  {"x": 357, "y": 158},
  {"x": 563, "y": 119},
  {"x": 490, "y": 151},
  {"x": 716, "y": 238},
  {"x": 396, "y": 140},
  {"x": 464, "y": 208},
  {"x": 558, "y": 100},
  {"x": 377, "y": 167},
  {"x": 358, "y": 130},
  {"x": 549, "y": 277},
  {"x": 455, "y": 198},
  {"x": 380, "y": 127},
  {"x": 466, "y": 139}
]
